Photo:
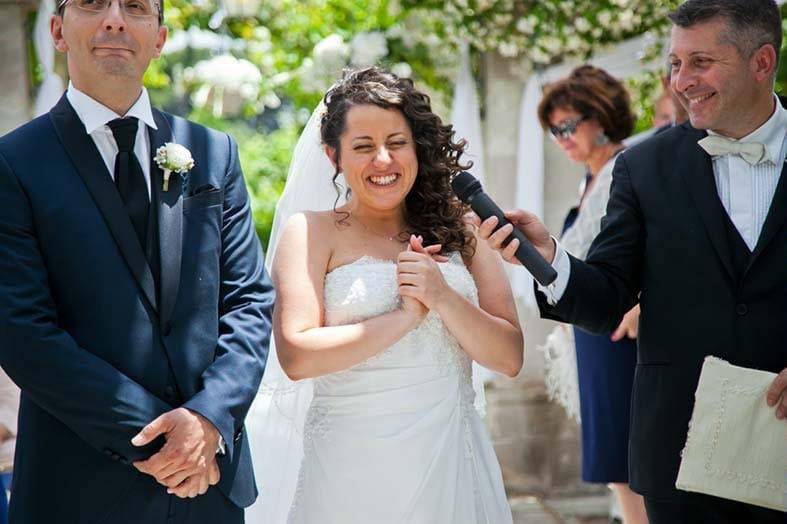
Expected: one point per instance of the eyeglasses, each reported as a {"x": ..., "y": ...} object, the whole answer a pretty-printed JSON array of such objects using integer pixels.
[
  {"x": 135, "y": 9},
  {"x": 567, "y": 128}
]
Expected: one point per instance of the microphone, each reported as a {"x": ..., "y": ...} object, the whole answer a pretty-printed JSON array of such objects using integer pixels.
[{"x": 469, "y": 191}]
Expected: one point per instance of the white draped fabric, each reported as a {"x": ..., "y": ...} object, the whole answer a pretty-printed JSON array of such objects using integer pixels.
[
  {"x": 466, "y": 114},
  {"x": 275, "y": 422},
  {"x": 52, "y": 86},
  {"x": 529, "y": 176}
]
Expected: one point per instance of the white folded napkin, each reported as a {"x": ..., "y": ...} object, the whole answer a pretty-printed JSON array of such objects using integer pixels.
[{"x": 736, "y": 448}]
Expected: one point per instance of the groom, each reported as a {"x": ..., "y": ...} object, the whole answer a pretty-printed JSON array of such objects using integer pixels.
[{"x": 134, "y": 306}]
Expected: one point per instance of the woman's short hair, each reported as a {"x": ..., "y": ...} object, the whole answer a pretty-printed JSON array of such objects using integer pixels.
[
  {"x": 595, "y": 94},
  {"x": 431, "y": 209}
]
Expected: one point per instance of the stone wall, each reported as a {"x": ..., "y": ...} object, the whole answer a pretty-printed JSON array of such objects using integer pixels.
[{"x": 15, "y": 104}]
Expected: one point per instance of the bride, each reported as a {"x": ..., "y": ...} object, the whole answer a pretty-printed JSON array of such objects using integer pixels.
[{"x": 384, "y": 300}]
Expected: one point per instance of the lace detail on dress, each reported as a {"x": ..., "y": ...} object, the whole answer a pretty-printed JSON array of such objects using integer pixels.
[
  {"x": 367, "y": 288},
  {"x": 316, "y": 426}
]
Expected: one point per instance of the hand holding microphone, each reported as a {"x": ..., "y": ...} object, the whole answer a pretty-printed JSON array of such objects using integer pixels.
[
  {"x": 513, "y": 241},
  {"x": 500, "y": 239}
]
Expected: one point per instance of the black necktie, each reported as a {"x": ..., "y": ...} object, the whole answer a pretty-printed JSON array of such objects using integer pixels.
[{"x": 129, "y": 178}]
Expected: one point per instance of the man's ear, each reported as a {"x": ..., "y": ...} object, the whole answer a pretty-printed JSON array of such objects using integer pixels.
[
  {"x": 333, "y": 156},
  {"x": 161, "y": 39},
  {"x": 56, "y": 30},
  {"x": 763, "y": 63}
]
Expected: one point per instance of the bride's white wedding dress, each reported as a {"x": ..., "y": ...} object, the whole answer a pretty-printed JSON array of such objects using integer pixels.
[{"x": 396, "y": 439}]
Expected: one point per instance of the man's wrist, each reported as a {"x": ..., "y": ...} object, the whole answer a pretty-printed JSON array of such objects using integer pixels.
[{"x": 212, "y": 432}]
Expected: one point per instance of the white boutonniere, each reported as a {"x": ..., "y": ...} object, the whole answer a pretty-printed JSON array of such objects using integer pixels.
[{"x": 172, "y": 157}]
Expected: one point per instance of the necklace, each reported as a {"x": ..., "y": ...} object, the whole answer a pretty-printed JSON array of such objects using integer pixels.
[{"x": 391, "y": 238}]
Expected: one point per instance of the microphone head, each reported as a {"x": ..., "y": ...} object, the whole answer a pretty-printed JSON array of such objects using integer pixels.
[{"x": 465, "y": 185}]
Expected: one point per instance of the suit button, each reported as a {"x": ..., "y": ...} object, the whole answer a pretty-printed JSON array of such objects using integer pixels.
[
  {"x": 115, "y": 456},
  {"x": 741, "y": 309},
  {"x": 169, "y": 392}
]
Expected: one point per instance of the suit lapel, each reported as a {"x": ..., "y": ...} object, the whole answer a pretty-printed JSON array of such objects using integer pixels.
[
  {"x": 698, "y": 174},
  {"x": 170, "y": 219},
  {"x": 88, "y": 163},
  {"x": 777, "y": 216}
]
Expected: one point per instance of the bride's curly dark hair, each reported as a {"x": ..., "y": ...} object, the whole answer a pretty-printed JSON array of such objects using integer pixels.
[{"x": 431, "y": 209}]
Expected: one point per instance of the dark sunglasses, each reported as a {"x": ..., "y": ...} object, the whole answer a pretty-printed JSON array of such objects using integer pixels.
[{"x": 566, "y": 128}]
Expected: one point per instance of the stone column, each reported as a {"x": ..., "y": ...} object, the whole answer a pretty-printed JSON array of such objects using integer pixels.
[
  {"x": 15, "y": 105},
  {"x": 537, "y": 444}
]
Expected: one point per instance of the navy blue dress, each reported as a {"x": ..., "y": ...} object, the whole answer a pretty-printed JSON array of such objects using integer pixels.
[{"x": 606, "y": 373}]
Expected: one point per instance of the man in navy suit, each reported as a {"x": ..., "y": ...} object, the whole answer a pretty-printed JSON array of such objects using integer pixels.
[
  {"x": 134, "y": 310},
  {"x": 696, "y": 232}
]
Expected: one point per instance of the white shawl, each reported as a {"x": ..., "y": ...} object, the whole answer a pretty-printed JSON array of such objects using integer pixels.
[{"x": 560, "y": 367}]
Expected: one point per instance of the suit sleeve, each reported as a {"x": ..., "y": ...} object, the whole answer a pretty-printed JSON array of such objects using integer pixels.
[
  {"x": 48, "y": 365},
  {"x": 246, "y": 302},
  {"x": 602, "y": 289}
]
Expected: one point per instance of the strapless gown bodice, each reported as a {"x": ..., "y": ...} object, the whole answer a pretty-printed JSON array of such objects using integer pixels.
[
  {"x": 396, "y": 438},
  {"x": 367, "y": 288}
]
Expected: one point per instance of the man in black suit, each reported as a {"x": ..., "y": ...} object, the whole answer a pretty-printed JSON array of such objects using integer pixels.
[{"x": 696, "y": 231}]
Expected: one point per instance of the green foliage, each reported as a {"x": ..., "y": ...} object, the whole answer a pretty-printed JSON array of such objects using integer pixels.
[
  {"x": 781, "y": 77},
  {"x": 644, "y": 89},
  {"x": 544, "y": 31},
  {"x": 278, "y": 40}
]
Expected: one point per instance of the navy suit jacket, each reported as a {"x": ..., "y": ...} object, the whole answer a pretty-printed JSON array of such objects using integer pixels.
[
  {"x": 664, "y": 238},
  {"x": 97, "y": 347}
]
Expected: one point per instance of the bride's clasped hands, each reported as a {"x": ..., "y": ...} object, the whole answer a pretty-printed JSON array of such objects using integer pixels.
[{"x": 419, "y": 277}]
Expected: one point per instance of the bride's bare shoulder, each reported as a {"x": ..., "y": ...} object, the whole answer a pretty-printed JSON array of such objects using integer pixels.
[
  {"x": 313, "y": 230},
  {"x": 324, "y": 223}
]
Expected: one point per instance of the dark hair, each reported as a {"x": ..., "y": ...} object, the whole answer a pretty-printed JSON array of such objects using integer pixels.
[
  {"x": 61, "y": 5},
  {"x": 431, "y": 209},
  {"x": 750, "y": 23},
  {"x": 595, "y": 94}
]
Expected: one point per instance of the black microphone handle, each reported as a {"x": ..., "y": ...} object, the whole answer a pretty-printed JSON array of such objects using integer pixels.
[{"x": 542, "y": 271}]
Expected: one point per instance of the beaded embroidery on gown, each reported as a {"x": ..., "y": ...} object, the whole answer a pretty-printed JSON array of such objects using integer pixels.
[{"x": 396, "y": 439}]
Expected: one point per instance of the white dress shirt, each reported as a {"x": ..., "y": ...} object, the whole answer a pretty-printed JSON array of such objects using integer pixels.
[
  {"x": 746, "y": 191},
  {"x": 95, "y": 116}
]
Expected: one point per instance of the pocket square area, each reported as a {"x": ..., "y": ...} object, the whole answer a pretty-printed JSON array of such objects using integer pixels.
[
  {"x": 212, "y": 197},
  {"x": 204, "y": 188}
]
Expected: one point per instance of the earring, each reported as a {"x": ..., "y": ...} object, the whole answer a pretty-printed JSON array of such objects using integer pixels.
[{"x": 602, "y": 139}]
